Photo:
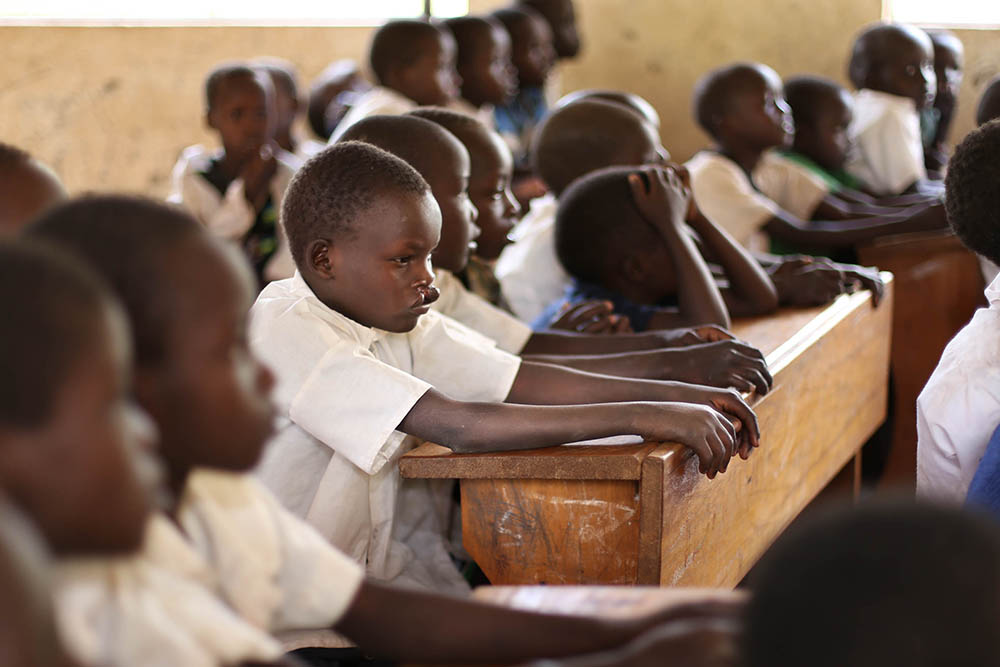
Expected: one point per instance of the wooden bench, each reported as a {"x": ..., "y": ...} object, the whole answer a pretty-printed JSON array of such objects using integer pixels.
[
  {"x": 938, "y": 287},
  {"x": 641, "y": 513}
]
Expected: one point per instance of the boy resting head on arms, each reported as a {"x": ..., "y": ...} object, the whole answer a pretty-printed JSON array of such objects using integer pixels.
[
  {"x": 743, "y": 186},
  {"x": 958, "y": 408},
  {"x": 211, "y": 399},
  {"x": 414, "y": 65},
  {"x": 444, "y": 163},
  {"x": 364, "y": 365},
  {"x": 892, "y": 67},
  {"x": 74, "y": 457},
  {"x": 236, "y": 192},
  {"x": 27, "y": 189}
]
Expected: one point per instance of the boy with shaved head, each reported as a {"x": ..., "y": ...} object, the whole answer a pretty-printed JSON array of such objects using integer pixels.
[
  {"x": 27, "y": 189},
  {"x": 892, "y": 66}
]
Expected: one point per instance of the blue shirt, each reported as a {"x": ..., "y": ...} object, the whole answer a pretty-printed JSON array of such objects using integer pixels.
[{"x": 638, "y": 314}]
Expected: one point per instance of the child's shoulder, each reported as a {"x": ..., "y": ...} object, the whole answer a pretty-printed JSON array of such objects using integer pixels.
[{"x": 872, "y": 107}]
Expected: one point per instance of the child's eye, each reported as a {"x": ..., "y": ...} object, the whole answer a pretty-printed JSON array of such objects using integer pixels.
[
  {"x": 910, "y": 70},
  {"x": 402, "y": 261}
]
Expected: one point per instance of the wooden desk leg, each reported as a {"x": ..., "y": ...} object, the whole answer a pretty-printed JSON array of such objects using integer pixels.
[{"x": 533, "y": 531}]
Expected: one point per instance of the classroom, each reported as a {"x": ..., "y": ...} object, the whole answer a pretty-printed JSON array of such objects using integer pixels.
[{"x": 552, "y": 333}]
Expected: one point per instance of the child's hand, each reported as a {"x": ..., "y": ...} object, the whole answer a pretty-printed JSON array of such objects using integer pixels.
[
  {"x": 864, "y": 278},
  {"x": 801, "y": 283},
  {"x": 594, "y": 317},
  {"x": 706, "y": 431},
  {"x": 731, "y": 404},
  {"x": 727, "y": 363},
  {"x": 257, "y": 175},
  {"x": 693, "y": 643},
  {"x": 660, "y": 196}
]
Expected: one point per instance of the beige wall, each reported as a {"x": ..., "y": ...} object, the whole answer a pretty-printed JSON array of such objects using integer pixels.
[{"x": 110, "y": 108}]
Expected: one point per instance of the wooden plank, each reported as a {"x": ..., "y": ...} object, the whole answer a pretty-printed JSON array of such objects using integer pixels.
[
  {"x": 600, "y": 601},
  {"x": 828, "y": 398},
  {"x": 552, "y": 531},
  {"x": 938, "y": 287}
]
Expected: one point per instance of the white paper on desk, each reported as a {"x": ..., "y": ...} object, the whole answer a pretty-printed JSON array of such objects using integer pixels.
[{"x": 612, "y": 440}]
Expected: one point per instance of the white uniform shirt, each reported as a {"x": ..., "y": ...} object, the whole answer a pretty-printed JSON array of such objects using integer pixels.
[
  {"x": 122, "y": 612},
  {"x": 342, "y": 389},
  {"x": 790, "y": 185},
  {"x": 959, "y": 407},
  {"x": 377, "y": 101},
  {"x": 887, "y": 153},
  {"x": 229, "y": 216},
  {"x": 529, "y": 271},
  {"x": 475, "y": 312},
  {"x": 726, "y": 196}
]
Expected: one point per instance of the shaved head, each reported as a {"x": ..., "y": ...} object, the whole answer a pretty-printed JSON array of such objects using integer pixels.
[{"x": 877, "y": 46}]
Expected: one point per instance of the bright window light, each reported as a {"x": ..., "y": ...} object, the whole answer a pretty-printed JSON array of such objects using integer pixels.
[
  {"x": 225, "y": 12},
  {"x": 953, "y": 13}
]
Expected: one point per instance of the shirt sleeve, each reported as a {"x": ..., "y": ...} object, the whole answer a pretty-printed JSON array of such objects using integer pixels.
[
  {"x": 730, "y": 201},
  {"x": 791, "y": 186},
  {"x": 509, "y": 333},
  {"x": 892, "y": 154},
  {"x": 459, "y": 362}
]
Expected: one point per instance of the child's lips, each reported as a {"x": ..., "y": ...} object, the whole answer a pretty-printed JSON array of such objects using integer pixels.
[{"x": 425, "y": 297}]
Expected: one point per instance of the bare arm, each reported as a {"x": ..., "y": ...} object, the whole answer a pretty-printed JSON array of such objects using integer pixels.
[
  {"x": 840, "y": 233},
  {"x": 749, "y": 283},
  {"x": 416, "y": 626}
]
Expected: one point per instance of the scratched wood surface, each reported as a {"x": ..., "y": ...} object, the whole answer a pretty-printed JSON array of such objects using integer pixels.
[
  {"x": 557, "y": 515},
  {"x": 938, "y": 287},
  {"x": 600, "y": 601},
  {"x": 828, "y": 398}
]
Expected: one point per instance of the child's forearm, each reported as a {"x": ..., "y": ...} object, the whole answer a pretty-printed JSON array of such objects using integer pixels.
[
  {"x": 416, "y": 626},
  {"x": 844, "y": 233},
  {"x": 747, "y": 279},
  {"x": 567, "y": 343},
  {"x": 698, "y": 298}
]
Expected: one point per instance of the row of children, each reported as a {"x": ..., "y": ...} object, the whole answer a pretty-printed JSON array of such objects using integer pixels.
[{"x": 124, "y": 304}]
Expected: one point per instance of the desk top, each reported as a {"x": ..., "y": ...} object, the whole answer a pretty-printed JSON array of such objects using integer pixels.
[
  {"x": 602, "y": 601},
  {"x": 781, "y": 337}
]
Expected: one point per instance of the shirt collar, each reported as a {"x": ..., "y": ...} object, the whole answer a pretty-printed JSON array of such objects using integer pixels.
[
  {"x": 992, "y": 293},
  {"x": 364, "y": 336}
]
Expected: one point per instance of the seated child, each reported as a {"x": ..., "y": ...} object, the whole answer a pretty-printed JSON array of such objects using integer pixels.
[
  {"x": 935, "y": 122},
  {"x": 892, "y": 66},
  {"x": 533, "y": 56},
  {"x": 237, "y": 192},
  {"x": 738, "y": 185},
  {"x": 365, "y": 367},
  {"x": 483, "y": 63},
  {"x": 959, "y": 406},
  {"x": 645, "y": 261},
  {"x": 889, "y": 584},
  {"x": 27, "y": 189},
  {"x": 75, "y": 458},
  {"x": 442, "y": 160},
  {"x": 561, "y": 17},
  {"x": 210, "y": 398},
  {"x": 288, "y": 105},
  {"x": 989, "y": 102},
  {"x": 414, "y": 65}
]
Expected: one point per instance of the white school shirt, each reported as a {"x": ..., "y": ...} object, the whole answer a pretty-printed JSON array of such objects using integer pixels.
[
  {"x": 475, "y": 312},
  {"x": 725, "y": 195},
  {"x": 887, "y": 152},
  {"x": 528, "y": 269},
  {"x": 342, "y": 389},
  {"x": 959, "y": 407},
  {"x": 377, "y": 101},
  {"x": 230, "y": 216},
  {"x": 790, "y": 185},
  {"x": 127, "y": 611}
]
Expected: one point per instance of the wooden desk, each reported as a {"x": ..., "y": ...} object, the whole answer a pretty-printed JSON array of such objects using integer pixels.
[
  {"x": 642, "y": 514},
  {"x": 938, "y": 287}
]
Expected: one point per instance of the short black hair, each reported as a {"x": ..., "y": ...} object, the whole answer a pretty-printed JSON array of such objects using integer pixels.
[
  {"x": 398, "y": 43},
  {"x": 470, "y": 33},
  {"x": 887, "y": 584},
  {"x": 220, "y": 75},
  {"x": 52, "y": 305},
  {"x": 417, "y": 141},
  {"x": 989, "y": 102},
  {"x": 874, "y": 46},
  {"x": 473, "y": 134},
  {"x": 12, "y": 156},
  {"x": 336, "y": 185},
  {"x": 598, "y": 225},
  {"x": 809, "y": 96},
  {"x": 715, "y": 91},
  {"x": 972, "y": 191},
  {"x": 634, "y": 102},
  {"x": 134, "y": 244},
  {"x": 281, "y": 71},
  {"x": 515, "y": 19},
  {"x": 580, "y": 138}
]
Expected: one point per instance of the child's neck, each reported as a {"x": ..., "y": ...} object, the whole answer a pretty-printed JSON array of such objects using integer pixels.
[
  {"x": 745, "y": 156},
  {"x": 230, "y": 165},
  {"x": 177, "y": 478},
  {"x": 285, "y": 140}
]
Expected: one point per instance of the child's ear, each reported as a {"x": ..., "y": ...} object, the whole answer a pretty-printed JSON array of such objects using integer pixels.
[
  {"x": 320, "y": 256},
  {"x": 210, "y": 119},
  {"x": 632, "y": 269}
]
